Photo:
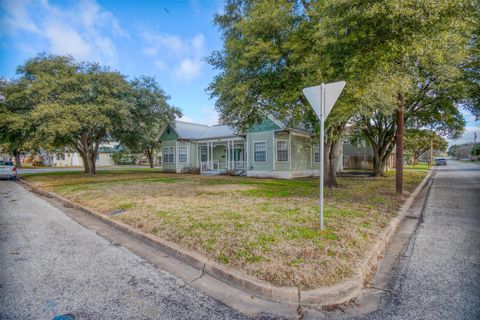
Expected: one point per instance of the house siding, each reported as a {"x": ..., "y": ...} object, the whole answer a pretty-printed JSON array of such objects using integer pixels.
[
  {"x": 282, "y": 165},
  {"x": 301, "y": 154},
  {"x": 169, "y": 166},
  {"x": 219, "y": 153},
  {"x": 180, "y": 165},
  {"x": 260, "y": 137},
  {"x": 194, "y": 155}
]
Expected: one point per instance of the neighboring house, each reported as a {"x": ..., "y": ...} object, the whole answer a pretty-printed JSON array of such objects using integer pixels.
[
  {"x": 268, "y": 149},
  {"x": 361, "y": 157},
  {"x": 58, "y": 159},
  {"x": 104, "y": 157},
  {"x": 73, "y": 159}
]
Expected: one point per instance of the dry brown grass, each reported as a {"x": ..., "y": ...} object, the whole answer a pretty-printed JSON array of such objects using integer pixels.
[{"x": 266, "y": 228}]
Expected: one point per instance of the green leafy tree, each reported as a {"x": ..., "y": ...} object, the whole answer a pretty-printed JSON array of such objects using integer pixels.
[
  {"x": 417, "y": 142},
  {"x": 271, "y": 52},
  {"x": 471, "y": 74},
  {"x": 150, "y": 112},
  {"x": 417, "y": 51},
  {"x": 78, "y": 105},
  {"x": 16, "y": 131},
  {"x": 460, "y": 151}
]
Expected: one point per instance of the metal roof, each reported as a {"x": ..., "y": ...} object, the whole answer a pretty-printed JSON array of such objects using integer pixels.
[
  {"x": 188, "y": 130},
  {"x": 218, "y": 131}
]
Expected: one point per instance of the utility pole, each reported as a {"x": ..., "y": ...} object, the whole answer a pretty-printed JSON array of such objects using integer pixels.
[
  {"x": 474, "y": 147},
  {"x": 399, "y": 148},
  {"x": 431, "y": 150}
]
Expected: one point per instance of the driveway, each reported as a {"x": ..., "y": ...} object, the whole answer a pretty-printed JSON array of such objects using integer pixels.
[
  {"x": 51, "y": 266},
  {"x": 439, "y": 276}
]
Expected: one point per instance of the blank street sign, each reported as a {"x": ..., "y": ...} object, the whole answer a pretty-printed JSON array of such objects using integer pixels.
[{"x": 332, "y": 92}]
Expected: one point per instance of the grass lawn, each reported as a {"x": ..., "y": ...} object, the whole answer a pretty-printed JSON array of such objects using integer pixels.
[
  {"x": 418, "y": 166},
  {"x": 266, "y": 228}
]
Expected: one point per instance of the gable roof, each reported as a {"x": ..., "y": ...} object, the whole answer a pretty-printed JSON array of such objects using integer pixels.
[
  {"x": 218, "y": 131},
  {"x": 188, "y": 130}
]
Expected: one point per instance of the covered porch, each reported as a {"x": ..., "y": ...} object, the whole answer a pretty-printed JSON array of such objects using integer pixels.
[{"x": 222, "y": 155}]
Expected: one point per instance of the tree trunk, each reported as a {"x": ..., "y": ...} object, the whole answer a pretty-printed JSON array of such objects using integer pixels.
[
  {"x": 335, "y": 150},
  {"x": 91, "y": 157},
  {"x": 149, "y": 152},
  {"x": 88, "y": 157},
  {"x": 85, "y": 162},
  {"x": 18, "y": 162},
  {"x": 326, "y": 161},
  {"x": 399, "y": 148},
  {"x": 377, "y": 164}
]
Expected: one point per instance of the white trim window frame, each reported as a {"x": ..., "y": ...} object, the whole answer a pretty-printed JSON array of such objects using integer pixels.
[
  {"x": 182, "y": 154},
  {"x": 282, "y": 151},
  {"x": 203, "y": 153},
  {"x": 168, "y": 155},
  {"x": 316, "y": 153},
  {"x": 260, "y": 153}
]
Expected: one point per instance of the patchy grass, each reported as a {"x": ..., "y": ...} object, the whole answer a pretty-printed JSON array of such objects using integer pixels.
[
  {"x": 418, "y": 166},
  {"x": 264, "y": 227}
]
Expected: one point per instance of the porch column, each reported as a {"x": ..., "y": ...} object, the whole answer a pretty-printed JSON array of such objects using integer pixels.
[
  {"x": 208, "y": 152},
  {"x": 228, "y": 154}
]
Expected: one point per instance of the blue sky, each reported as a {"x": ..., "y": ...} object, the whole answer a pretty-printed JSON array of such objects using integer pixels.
[{"x": 165, "y": 39}]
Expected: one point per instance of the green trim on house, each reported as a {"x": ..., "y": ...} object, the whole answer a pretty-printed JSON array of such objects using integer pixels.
[
  {"x": 168, "y": 134},
  {"x": 265, "y": 125}
]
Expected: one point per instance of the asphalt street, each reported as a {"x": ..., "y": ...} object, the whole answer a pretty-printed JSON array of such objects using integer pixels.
[
  {"x": 439, "y": 276},
  {"x": 52, "y": 266}
]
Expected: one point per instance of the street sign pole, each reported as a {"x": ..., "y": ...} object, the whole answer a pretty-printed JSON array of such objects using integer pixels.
[
  {"x": 321, "y": 148},
  {"x": 322, "y": 98}
]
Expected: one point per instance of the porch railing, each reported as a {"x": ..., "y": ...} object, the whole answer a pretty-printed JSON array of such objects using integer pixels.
[
  {"x": 209, "y": 166},
  {"x": 237, "y": 165}
]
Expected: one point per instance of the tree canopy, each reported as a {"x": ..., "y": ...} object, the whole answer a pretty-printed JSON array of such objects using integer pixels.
[
  {"x": 417, "y": 142},
  {"x": 413, "y": 52},
  {"x": 149, "y": 114},
  {"x": 58, "y": 102}
]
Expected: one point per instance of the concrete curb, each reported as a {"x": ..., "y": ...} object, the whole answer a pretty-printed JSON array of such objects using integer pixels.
[{"x": 331, "y": 295}]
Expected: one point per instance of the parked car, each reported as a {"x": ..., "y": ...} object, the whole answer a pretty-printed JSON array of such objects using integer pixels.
[
  {"x": 441, "y": 161},
  {"x": 8, "y": 170}
]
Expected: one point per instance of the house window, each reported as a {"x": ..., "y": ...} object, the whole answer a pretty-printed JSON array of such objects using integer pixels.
[
  {"x": 60, "y": 156},
  {"x": 182, "y": 154},
  {"x": 203, "y": 154},
  {"x": 317, "y": 153},
  {"x": 282, "y": 150},
  {"x": 168, "y": 155},
  {"x": 260, "y": 151}
]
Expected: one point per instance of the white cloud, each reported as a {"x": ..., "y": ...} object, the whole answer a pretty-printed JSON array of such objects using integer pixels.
[
  {"x": 17, "y": 18},
  {"x": 182, "y": 56},
  {"x": 188, "y": 69},
  {"x": 207, "y": 116},
  {"x": 64, "y": 40},
  {"x": 83, "y": 30},
  {"x": 467, "y": 136}
]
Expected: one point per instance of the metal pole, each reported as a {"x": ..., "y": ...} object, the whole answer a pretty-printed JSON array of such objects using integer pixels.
[
  {"x": 322, "y": 112},
  {"x": 474, "y": 148}
]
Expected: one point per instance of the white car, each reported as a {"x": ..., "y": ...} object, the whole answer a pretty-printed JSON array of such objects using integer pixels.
[{"x": 8, "y": 170}]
